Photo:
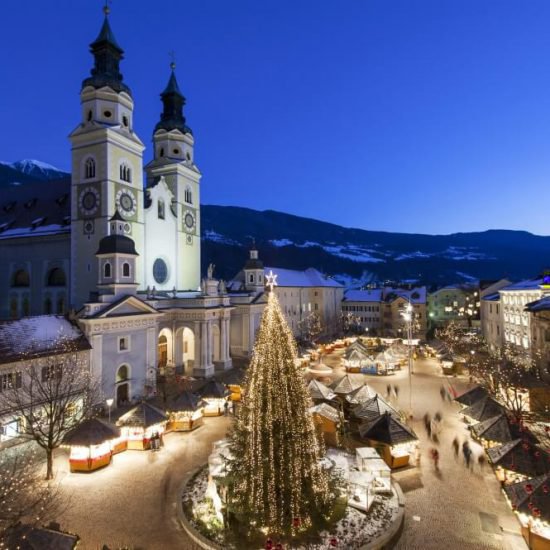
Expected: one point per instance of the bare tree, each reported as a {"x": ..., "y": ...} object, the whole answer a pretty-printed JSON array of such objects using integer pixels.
[
  {"x": 51, "y": 395},
  {"x": 351, "y": 323},
  {"x": 24, "y": 495},
  {"x": 311, "y": 327}
]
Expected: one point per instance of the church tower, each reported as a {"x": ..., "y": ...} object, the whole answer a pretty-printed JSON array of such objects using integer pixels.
[
  {"x": 173, "y": 149},
  {"x": 254, "y": 272},
  {"x": 106, "y": 166}
]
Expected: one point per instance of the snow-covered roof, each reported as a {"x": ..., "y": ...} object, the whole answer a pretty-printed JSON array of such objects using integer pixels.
[
  {"x": 39, "y": 336},
  {"x": 539, "y": 305},
  {"x": 528, "y": 284},
  {"x": 491, "y": 297},
  {"x": 374, "y": 295},
  {"x": 415, "y": 295},
  {"x": 308, "y": 278}
]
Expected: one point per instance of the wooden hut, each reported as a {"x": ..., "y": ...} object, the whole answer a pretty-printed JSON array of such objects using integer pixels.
[
  {"x": 92, "y": 444},
  {"x": 319, "y": 392},
  {"x": 31, "y": 537},
  {"x": 328, "y": 419},
  {"x": 185, "y": 412},
  {"x": 493, "y": 431},
  {"x": 345, "y": 386},
  {"x": 393, "y": 440},
  {"x": 360, "y": 395},
  {"x": 356, "y": 357},
  {"x": 518, "y": 460},
  {"x": 483, "y": 409},
  {"x": 530, "y": 500},
  {"x": 373, "y": 408},
  {"x": 140, "y": 424},
  {"x": 215, "y": 394},
  {"x": 471, "y": 396}
]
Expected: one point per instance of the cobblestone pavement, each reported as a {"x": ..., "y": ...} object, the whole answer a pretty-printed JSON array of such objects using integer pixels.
[
  {"x": 133, "y": 501},
  {"x": 453, "y": 509}
]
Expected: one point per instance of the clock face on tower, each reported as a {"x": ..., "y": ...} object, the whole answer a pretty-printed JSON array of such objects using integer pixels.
[
  {"x": 126, "y": 202},
  {"x": 189, "y": 220},
  {"x": 88, "y": 201}
]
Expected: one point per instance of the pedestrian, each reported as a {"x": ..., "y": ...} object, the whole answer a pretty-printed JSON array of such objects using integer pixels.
[
  {"x": 455, "y": 446},
  {"x": 388, "y": 391},
  {"x": 435, "y": 457},
  {"x": 428, "y": 424},
  {"x": 481, "y": 461},
  {"x": 396, "y": 392},
  {"x": 467, "y": 452},
  {"x": 225, "y": 408},
  {"x": 442, "y": 392},
  {"x": 438, "y": 416}
]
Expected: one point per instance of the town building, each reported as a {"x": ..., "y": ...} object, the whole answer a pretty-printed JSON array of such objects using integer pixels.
[
  {"x": 490, "y": 313},
  {"x": 457, "y": 303}
]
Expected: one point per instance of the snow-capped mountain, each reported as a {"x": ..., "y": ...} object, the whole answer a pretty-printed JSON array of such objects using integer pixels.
[
  {"x": 25, "y": 171},
  {"x": 356, "y": 257}
]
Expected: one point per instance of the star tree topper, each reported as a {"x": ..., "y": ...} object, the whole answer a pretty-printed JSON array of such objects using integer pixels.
[{"x": 271, "y": 279}]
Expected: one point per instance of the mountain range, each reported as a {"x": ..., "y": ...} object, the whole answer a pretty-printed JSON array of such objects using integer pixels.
[{"x": 352, "y": 256}]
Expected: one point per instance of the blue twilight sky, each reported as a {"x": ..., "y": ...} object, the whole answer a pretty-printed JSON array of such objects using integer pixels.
[{"x": 400, "y": 115}]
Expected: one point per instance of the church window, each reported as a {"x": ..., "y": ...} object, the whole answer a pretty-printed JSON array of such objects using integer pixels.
[
  {"x": 21, "y": 278},
  {"x": 251, "y": 278},
  {"x": 176, "y": 151},
  {"x": 123, "y": 343},
  {"x": 107, "y": 270},
  {"x": 188, "y": 155},
  {"x": 90, "y": 115},
  {"x": 89, "y": 168},
  {"x": 125, "y": 121},
  {"x": 122, "y": 373},
  {"x": 125, "y": 173},
  {"x": 160, "y": 271},
  {"x": 161, "y": 209},
  {"x": 161, "y": 153},
  {"x": 60, "y": 304},
  {"x": 188, "y": 196},
  {"x": 26, "y": 306},
  {"x": 107, "y": 114},
  {"x": 125, "y": 269},
  {"x": 56, "y": 277},
  {"x": 13, "y": 308}
]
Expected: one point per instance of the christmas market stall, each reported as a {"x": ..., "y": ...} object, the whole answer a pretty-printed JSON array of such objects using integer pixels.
[
  {"x": 320, "y": 370},
  {"x": 471, "y": 396},
  {"x": 319, "y": 392},
  {"x": 500, "y": 429},
  {"x": 215, "y": 394},
  {"x": 185, "y": 412},
  {"x": 530, "y": 500},
  {"x": 483, "y": 409},
  {"x": 518, "y": 460},
  {"x": 141, "y": 424},
  {"x": 91, "y": 445},
  {"x": 345, "y": 385},
  {"x": 356, "y": 357},
  {"x": 360, "y": 395},
  {"x": 328, "y": 419},
  {"x": 393, "y": 440},
  {"x": 368, "y": 460},
  {"x": 373, "y": 408}
]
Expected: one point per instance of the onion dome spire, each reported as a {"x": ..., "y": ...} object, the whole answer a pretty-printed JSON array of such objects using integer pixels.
[
  {"x": 173, "y": 101},
  {"x": 107, "y": 55}
]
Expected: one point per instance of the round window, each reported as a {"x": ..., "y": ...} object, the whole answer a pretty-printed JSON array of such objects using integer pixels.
[
  {"x": 160, "y": 271},
  {"x": 107, "y": 114},
  {"x": 176, "y": 151}
]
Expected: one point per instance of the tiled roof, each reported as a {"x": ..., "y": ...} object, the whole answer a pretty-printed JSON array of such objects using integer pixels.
[
  {"x": 374, "y": 295},
  {"x": 494, "y": 429},
  {"x": 327, "y": 411},
  {"x": 186, "y": 401},
  {"x": 317, "y": 390},
  {"x": 214, "y": 389},
  {"x": 39, "y": 336},
  {"x": 539, "y": 305},
  {"x": 531, "y": 496},
  {"x": 471, "y": 396},
  {"x": 491, "y": 297},
  {"x": 528, "y": 284},
  {"x": 308, "y": 278},
  {"x": 483, "y": 409},
  {"x": 372, "y": 408},
  {"x": 144, "y": 415},
  {"x": 345, "y": 385},
  {"x": 360, "y": 395},
  {"x": 387, "y": 429},
  {"x": 521, "y": 457},
  {"x": 91, "y": 432}
]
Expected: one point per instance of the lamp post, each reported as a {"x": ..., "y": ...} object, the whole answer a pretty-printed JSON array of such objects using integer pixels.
[
  {"x": 109, "y": 402},
  {"x": 408, "y": 317}
]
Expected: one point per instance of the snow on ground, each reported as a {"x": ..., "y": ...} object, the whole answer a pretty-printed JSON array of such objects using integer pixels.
[
  {"x": 355, "y": 282},
  {"x": 211, "y": 235},
  {"x": 466, "y": 276},
  {"x": 354, "y": 253},
  {"x": 281, "y": 242},
  {"x": 410, "y": 255},
  {"x": 26, "y": 165}
]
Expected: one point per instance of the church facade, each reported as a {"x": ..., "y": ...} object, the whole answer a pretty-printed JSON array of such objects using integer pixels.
[{"x": 123, "y": 254}]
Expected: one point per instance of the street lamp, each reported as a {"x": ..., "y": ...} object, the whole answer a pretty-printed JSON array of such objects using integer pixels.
[
  {"x": 110, "y": 402},
  {"x": 408, "y": 317}
]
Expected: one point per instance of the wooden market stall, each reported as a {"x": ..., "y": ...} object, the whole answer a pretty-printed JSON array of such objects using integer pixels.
[
  {"x": 328, "y": 419},
  {"x": 319, "y": 392},
  {"x": 185, "y": 412},
  {"x": 530, "y": 500},
  {"x": 494, "y": 431},
  {"x": 215, "y": 394},
  {"x": 345, "y": 385},
  {"x": 483, "y": 409},
  {"x": 393, "y": 440},
  {"x": 360, "y": 395},
  {"x": 92, "y": 444},
  {"x": 471, "y": 396},
  {"x": 140, "y": 424}
]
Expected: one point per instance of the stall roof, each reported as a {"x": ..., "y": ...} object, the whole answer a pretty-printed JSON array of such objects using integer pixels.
[
  {"x": 27, "y": 537},
  {"x": 345, "y": 385},
  {"x": 496, "y": 428},
  {"x": 186, "y": 401},
  {"x": 387, "y": 429},
  {"x": 521, "y": 457},
  {"x": 317, "y": 390},
  {"x": 471, "y": 396},
  {"x": 92, "y": 431},
  {"x": 214, "y": 389},
  {"x": 373, "y": 408},
  {"x": 360, "y": 395},
  {"x": 483, "y": 409},
  {"x": 531, "y": 491},
  {"x": 144, "y": 415},
  {"x": 326, "y": 411}
]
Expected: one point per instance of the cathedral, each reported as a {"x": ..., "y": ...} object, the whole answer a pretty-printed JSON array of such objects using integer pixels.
[{"x": 125, "y": 259}]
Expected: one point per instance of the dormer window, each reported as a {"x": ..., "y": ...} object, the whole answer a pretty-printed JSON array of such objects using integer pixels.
[
  {"x": 125, "y": 173},
  {"x": 89, "y": 168}
]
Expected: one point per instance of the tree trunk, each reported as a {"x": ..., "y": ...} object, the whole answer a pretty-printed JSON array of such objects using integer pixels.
[{"x": 49, "y": 463}]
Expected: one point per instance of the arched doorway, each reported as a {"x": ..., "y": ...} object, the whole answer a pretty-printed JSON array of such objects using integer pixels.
[
  {"x": 162, "y": 351},
  {"x": 122, "y": 385},
  {"x": 215, "y": 342},
  {"x": 188, "y": 348}
]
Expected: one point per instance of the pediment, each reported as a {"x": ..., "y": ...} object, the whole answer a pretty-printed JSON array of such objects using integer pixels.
[{"x": 127, "y": 306}]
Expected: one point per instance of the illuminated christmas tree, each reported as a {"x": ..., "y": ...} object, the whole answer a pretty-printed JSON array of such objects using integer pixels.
[{"x": 278, "y": 481}]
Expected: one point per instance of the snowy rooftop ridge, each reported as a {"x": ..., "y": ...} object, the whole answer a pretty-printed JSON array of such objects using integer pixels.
[
  {"x": 308, "y": 278},
  {"x": 37, "y": 336}
]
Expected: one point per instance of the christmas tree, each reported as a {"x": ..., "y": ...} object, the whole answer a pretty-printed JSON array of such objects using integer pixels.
[{"x": 279, "y": 483}]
